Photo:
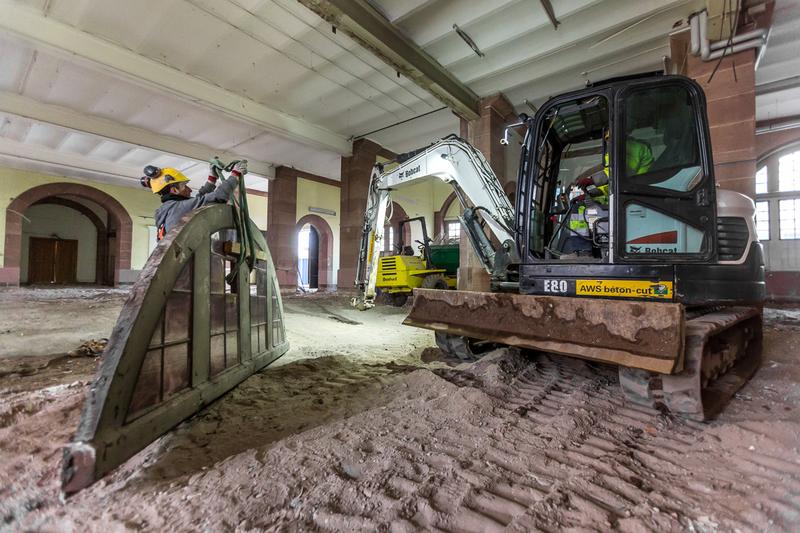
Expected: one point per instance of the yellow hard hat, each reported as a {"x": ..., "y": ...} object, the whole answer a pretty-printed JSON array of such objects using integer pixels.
[{"x": 159, "y": 178}]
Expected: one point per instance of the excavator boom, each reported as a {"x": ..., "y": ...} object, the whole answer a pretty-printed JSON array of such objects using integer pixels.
[{"x": 454, "y": 161}]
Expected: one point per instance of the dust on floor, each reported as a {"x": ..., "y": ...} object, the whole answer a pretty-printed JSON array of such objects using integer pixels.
[{"x": 354, "y": 431}]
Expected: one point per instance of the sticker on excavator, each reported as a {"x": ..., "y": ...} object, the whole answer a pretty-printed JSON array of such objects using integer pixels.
[{"x": 610, "y": 288}]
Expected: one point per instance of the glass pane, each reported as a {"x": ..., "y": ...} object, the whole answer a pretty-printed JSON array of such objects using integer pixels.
[
  {"x": 176, "y": 368},
  {"x": 217, "y": 313},
  {"x": 262, "y": 338},
  {"x": 179, "y": 317},
  {"x": 762, "y": 220},
  {"x": 789, "y": 219},
  {"x": 661, "y": 139},
  {"x": 231, "y": 312},
  {"x": 156, "y": 339},
  {"x": 231, "y": 349},
  {"x": 148, "y": 384},
  {"x": 217, "y": 274},
  {"x": 652, "y": 232},
  {"x": 789, "y": 172},
  {"x": 258, "y": 310},
  {"x": 761, "y": 180},
  {"x": 277, "y": 320},
  {"x": 254, "y": 345},
  {"x": 184, "y": 281},
  {"x": 217, "y": 359}
]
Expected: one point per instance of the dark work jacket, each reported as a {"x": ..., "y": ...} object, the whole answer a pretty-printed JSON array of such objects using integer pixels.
[{"x": 174, "y": 207}]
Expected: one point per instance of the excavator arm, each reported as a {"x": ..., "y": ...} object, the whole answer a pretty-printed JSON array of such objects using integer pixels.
[{"x": 454, "y": 161}]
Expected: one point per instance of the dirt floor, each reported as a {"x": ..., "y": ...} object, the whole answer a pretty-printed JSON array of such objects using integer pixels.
[{"x": 361, "y": 427}]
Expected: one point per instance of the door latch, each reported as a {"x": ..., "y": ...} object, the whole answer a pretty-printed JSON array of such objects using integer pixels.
[{"x": 701, "y": 198}]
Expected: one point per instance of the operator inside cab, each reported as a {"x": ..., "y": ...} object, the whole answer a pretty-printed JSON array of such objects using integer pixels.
[
  {"x": 176, "y": 195},
  {"x": 593, "y": 206}
]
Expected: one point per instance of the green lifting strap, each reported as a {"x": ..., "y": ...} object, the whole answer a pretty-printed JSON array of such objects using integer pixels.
[{"x": 241, "y": 217}]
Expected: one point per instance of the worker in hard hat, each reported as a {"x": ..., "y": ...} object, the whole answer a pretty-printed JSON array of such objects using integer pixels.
[{"x": 176, "y": 195}]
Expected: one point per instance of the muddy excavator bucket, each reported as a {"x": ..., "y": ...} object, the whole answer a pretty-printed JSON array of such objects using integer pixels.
[
  {"x": 643, "y": 335},
  {"x": 184, "y": 337},
  {"x": 691, "y": 366}
]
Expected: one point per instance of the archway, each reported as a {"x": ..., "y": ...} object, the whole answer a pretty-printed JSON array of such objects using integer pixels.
[
  {"x": 439, "y": 216},
  {"x": 101, "y": 274},
  {"x": 116, "y": 233},
  {"x": 391, "y": 238},
  {"x": 324, "y": 248}
]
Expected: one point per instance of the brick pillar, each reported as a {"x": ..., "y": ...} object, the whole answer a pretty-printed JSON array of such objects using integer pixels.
[
  {"x": 281, "y": 226},
  {"x": 356, "y": 171},
  {"x": 484, "y": 133},
  {"x": 731, "y": 102}
]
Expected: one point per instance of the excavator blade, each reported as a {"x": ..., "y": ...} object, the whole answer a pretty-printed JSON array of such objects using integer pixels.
[{"x": 643, "y": 335}]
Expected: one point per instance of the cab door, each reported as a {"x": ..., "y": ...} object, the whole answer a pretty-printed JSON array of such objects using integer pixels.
[{"x": 665, "y": 199}]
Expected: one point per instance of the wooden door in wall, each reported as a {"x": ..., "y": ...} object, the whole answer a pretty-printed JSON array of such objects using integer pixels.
[
  {"x": 52, "y": 261},
  {"x": 313, "y": 258}
]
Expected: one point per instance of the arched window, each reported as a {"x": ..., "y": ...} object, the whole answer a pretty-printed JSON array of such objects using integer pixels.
[{"x": 777, "y": 187}]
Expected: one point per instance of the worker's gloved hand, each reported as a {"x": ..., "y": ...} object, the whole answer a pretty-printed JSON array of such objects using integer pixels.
[
  {"x": 215, "y": 169},
  {"x": 240, "y": 168}
]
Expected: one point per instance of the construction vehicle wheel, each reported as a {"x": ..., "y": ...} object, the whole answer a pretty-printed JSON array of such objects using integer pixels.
[
  {"x": 434, "y": 281},
  {"x": 464, "y": 348},
  {"x": 397, "y": 299}
]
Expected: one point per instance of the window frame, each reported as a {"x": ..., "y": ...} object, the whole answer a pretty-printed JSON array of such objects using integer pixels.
[
  {"x": 447, "y": 225},
  {"x": 796, "y": 201},
  {"x": 769, "y": 221}
]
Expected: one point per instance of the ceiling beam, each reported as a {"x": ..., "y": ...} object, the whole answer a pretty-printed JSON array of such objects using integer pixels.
[
  {"x": 14, "y": 151},
  {"x": 24, "y": 106},
  {"x": 33, "y": 26},
  {"x": 369, "y": 28}
]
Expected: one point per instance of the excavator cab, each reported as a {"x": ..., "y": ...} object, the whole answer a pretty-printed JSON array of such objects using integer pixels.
[{"x": 621, "y": 174}]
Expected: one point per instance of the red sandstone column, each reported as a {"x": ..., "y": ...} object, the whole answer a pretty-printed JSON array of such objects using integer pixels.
[
  {"x": 484, "y": 133},
  {"x": 281, "y": 226},
  {"x": 356, "y": 171},
  {"x": 731, "y": 100}
]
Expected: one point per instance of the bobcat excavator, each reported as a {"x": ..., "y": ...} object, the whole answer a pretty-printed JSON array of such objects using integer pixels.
[{"x": 620, "y": 248}]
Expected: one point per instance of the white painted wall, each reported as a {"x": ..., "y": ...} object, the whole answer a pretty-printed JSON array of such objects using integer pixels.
[{"x": 50, "y": 220}]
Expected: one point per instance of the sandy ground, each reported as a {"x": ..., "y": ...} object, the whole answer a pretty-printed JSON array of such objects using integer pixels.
[{"x": 359, "y": 427}]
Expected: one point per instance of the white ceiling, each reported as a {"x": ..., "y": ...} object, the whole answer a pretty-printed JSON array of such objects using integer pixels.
[{"x": 276, "y": 59}]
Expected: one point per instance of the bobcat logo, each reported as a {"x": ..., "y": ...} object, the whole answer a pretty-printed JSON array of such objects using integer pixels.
[{"x": 635, "y": 249}]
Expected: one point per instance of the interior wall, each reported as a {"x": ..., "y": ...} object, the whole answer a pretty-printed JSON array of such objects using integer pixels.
[
  {"x": 421, "y": 200},
  {"x": 138, "y": 202},
  {"x": 50, "y": 221},
  {"x": 321, "y": 195},
  {"x": 258, "y": 209}
]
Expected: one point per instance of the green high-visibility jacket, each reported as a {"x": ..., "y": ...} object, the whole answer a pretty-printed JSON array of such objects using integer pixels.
[{"x": 638, "y": 157}]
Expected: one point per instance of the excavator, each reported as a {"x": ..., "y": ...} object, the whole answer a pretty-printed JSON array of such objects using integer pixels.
[
  {"x": 619, "y": 249},
  {"x": 400, "y": 273}
]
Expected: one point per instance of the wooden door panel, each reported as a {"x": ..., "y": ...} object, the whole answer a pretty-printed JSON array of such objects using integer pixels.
[
  {"x": 41, "y": 260},
  {"x": 66, "y": 261}
]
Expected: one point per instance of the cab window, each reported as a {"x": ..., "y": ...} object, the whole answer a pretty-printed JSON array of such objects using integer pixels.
[{"x": 660, "y": 139}]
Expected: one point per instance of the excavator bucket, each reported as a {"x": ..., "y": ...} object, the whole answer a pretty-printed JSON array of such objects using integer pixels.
[
  {"x": 643, "y": 335},
  {"x": 185, "y": 337}
]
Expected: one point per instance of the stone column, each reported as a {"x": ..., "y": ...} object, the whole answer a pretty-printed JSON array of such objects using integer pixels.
[
  {"x": 484, "y": 133},
  {"x": 356, "y": 171},
  {"x": 731, "y": 100},
  {"x": 281, "y": 226}
]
